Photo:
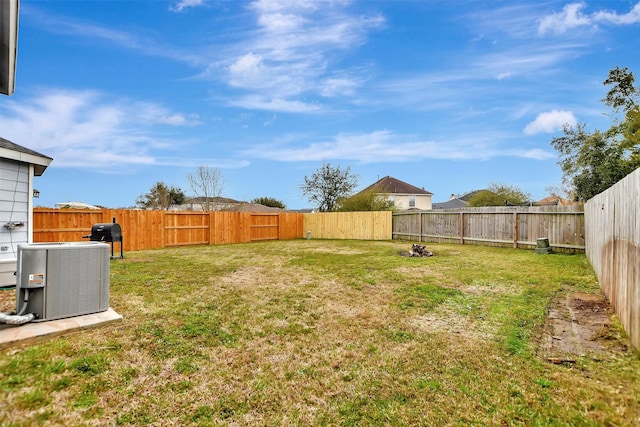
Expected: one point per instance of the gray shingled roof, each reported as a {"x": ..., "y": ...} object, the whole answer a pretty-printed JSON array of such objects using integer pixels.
[
  {"x": 14, "y": 151},
  {"x": 390, "y": 185},
  {"x": 5, "y": 143},
  {"x": 451, "y": 204}
]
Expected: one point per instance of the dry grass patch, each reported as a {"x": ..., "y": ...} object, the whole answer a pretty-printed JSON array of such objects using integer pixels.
[
  {"x": 321, "y": 332},
  {"x": 450, "y": 322}
]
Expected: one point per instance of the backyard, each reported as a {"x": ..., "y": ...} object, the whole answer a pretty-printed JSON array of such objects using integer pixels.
[{"x": 329, "y": 332}]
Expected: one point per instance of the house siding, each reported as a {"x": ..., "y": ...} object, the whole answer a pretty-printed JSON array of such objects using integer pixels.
[
  {"x": 401, "y": 201},
  {"x": 14, "y": 207}
]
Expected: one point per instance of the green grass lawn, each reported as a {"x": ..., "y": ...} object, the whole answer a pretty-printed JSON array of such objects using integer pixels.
[{"x": 322, "y": 332}]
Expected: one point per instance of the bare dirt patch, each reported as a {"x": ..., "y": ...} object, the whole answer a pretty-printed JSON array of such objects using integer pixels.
[{"x": 579, "y": 325}]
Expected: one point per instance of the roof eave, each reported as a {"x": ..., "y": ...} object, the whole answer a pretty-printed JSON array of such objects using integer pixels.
[{"x": 40, "y": 162}]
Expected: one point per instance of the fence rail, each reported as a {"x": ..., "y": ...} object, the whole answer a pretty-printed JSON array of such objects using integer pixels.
[
  {"x": 159, "y": 229},
  {"x": 613, "y": 248},
  {"x": 143, "y": 229},
  {"x": 147, "y": 229},
  {"x": 515, "y": 227}
]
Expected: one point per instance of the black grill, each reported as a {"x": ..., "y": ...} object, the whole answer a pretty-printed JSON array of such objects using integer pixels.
[{"x": 108, "y": 232}]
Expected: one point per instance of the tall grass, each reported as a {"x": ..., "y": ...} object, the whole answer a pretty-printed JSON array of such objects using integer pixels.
[{"x": 319, "y": 332}]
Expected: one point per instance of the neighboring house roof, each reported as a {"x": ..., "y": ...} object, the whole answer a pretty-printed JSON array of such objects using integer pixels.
[
  {"x": 305, "y": 210},
  {"x": 76, "y": 205},
  {"x": 11, "y": 150},
  {"x": 225, "y": 204},
  {"x": 459, "y": 202},
  {"x": 451, "y": 204},
  {"x": 199, "y": 203},
  {"x": 390, "y": 185},
  {"x": 555, "y": 200},
  {"x": 549, "y": 201},
  {"x": 250, "y": 207},
  {"x": 463, "y": 201},
  {"x": 216, "y": 200}
]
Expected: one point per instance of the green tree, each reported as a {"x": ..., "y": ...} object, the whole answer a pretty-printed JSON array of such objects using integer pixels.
[
  {"x": 562, "y": 191},
  {"x": 499, "y": 195},
  {"x": 631, "y": 131},
  {"x": 485, "y": 198},
  {"x": 269, "y": 201},
  {"x": 623, "y": 94},
  {"x": 365, "y": 201},
  {"x": 591, "y": 162},
  {"x": 328, "y": 185},
  {"x": 161, "y": 196}
]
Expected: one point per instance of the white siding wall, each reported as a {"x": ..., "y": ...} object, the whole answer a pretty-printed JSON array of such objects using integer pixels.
[
  {"x": 423, "y": 202},
  {"x": 14, "y": 207},
  {"x": 401, "y": 201}
]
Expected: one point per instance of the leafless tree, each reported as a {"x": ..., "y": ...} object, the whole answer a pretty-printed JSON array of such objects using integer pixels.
[{"x": 207, "y": 183}]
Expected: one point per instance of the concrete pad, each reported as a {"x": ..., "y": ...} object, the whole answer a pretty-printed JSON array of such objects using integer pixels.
[{"x": 18, "y": 336}]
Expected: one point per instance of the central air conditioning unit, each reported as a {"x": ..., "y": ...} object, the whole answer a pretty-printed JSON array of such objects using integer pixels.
[{"x": 58, "y": 280}]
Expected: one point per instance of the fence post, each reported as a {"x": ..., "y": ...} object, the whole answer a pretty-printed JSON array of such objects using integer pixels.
[
  {"x": 515, "y": 230},
  {"x": 462, "y": 228},
  {"x": 164, "y": 229},
  {"x": 212, "y": 234}
]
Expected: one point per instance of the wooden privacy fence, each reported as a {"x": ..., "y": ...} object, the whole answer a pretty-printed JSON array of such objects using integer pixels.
[
  {"x": 348, "y": 225},
  {"x": 515, "y": 227},
  {"x": 612, "y": 223},
  {"x": 144, "y": 229}
]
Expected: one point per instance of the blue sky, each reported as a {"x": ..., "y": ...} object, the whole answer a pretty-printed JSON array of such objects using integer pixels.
[{"x": 450, "y": 96}]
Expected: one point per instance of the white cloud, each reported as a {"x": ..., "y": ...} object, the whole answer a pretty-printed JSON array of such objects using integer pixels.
[
  {"x": 278, "y": 6},
  {"x": 67, "y": 26},
  {"x": 336, "y": 86},
  {"x": 88, "y": 129},
  {"x": 177, "y": 119},
  {"x": 441, "y": 89},
  {"x": 517, "y": 62},
  {"x": 633, "y": 17},
  {"x": 550, "y": 121},
  {"x": 280, "y": 22},
  {"x": 385, "y": 146},
  {"x": 290, "y": 53},
  {"x": 257, "y": 102},
  {"x": 572, "y": 17},
  {"x": 153, "y": 114},
  {"x": 510, "y": 18},
  {"x": 190, "y": 162},
  {"x": 183, "y": 4},
  {"x": 535, "y": 153},
  {"x": 247, "y": 71}
]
